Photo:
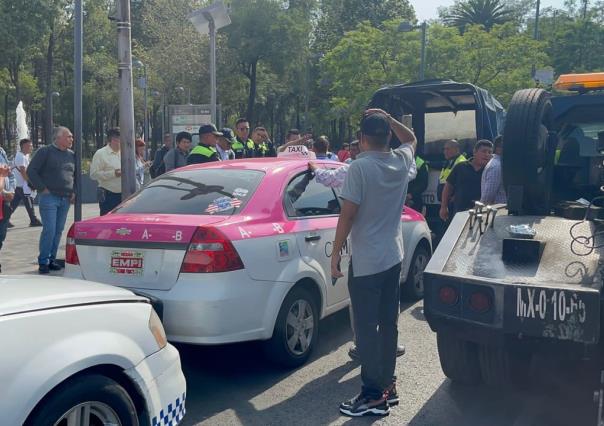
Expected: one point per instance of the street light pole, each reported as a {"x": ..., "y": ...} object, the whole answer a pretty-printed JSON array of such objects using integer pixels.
[
  {"x": 126, "y": 104},
  {"x": 212, "y": 65},
  {"x": 139, "y": 64},
  {"x": 77, "y": 106},
  {"x": 422, "y": 65},
  {"x": 52, "y": 96}
]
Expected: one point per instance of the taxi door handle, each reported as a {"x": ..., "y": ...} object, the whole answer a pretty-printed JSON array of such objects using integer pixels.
[{"x": 310, "y": 238}]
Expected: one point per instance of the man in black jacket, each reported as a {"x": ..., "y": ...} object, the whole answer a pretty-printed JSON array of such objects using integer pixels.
[{"x": 158, "y": 167}]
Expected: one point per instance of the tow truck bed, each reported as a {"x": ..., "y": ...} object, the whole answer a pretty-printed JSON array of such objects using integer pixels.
[{"x": 557, "y": 296}]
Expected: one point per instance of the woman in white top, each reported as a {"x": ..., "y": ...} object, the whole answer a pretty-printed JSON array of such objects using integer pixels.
[{"x": 141, "y": 165}]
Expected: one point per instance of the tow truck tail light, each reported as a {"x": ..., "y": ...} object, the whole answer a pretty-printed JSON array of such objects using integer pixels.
[
  {"x": 210, "y": 251},
  {"x": 71, "y": 252},
  {"x": 480, "y": 302},
  {"x": 448, "y": 295}
]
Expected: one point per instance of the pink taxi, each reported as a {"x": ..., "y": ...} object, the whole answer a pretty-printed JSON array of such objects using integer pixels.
[{"x": 235, "y": 251}]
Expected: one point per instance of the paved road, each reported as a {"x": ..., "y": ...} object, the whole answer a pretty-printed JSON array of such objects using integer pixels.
[{"x": 234, "y": 385}]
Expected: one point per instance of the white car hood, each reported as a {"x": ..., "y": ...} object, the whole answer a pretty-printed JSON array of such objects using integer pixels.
[{"x": 26, "y": 293}]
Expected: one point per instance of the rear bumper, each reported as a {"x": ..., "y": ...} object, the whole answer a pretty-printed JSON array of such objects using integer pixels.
[
  {"x": 213, "y": 309},
  {"x": 517, "y": 310},
  {"x": 161, "y": 381}
]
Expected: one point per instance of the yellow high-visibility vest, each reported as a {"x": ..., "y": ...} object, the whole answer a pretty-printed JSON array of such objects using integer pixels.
[{"x": 446, "y": 171}]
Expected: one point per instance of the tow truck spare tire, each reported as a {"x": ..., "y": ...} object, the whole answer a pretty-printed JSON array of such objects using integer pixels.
[
  {"x": 528, "y": 152},
  {"x": 458, "y": 358}
]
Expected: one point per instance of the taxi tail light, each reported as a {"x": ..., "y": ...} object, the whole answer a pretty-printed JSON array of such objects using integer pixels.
[
  {"x": 71, "y": 253},
  {"x": 210, "y": 251}
]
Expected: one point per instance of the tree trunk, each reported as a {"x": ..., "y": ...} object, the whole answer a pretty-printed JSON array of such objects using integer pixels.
[
  {"x": 252, "y": 97},
  {"x": 48, "y": 124}
]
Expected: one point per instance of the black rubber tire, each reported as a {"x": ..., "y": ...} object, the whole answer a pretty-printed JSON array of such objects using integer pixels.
[
  {"x": 499, "y": 366},
  {"x": 410, "y": 289},
  {"x": 92, "y": 387},
  {"x": 458, "y": 359},
  {"x": 528, "y": 152},
  {"x": 276, "y": 349}
]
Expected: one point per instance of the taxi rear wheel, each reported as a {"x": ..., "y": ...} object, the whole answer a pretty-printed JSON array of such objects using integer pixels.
[
  {"x": 86, "y": 400},
  {"x": 413, "y": 287},
  {"x": 296, "y": 329}
]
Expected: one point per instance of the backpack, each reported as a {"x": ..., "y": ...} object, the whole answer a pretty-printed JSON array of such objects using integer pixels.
[{"x": 158, "y": 169}]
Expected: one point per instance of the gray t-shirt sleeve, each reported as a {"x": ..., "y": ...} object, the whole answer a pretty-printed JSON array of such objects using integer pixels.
[{"x": 354, "y": 186}]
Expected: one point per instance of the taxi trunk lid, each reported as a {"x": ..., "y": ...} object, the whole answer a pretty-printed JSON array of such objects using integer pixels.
[{"x": 136, "y": 251}]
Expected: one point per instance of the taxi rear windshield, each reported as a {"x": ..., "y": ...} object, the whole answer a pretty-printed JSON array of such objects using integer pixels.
[{"x": 204, "y": 192}]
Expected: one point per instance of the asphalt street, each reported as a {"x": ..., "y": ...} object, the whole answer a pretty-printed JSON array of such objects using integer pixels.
[{"x": 235, "y": 385}]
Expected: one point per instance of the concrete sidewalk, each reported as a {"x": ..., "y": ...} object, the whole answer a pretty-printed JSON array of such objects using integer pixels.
[{"x": 19, "y": 254}]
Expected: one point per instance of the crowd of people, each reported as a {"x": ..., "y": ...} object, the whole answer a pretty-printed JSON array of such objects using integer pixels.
[{"x": 375, "y": 181}]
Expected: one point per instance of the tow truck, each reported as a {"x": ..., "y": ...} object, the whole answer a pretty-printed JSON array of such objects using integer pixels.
[{"x": 510, "y": 281}]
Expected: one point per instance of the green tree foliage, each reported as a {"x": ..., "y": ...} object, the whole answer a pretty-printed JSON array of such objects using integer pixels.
[
  {"x": 487, "y": 13},
  {"x": 368, "y": 58},
  {"x": 339, "y": 16}
]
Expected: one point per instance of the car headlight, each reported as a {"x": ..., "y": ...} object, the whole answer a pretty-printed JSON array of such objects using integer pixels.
[{"x": 157, "y": 329}]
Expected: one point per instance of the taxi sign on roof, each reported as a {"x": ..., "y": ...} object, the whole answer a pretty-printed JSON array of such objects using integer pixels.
[{"x": 297, "y": 151}]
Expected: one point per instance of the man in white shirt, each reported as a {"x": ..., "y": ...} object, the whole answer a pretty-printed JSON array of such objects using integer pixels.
[
  {"x": 224, "y": 145},
  {"x": 106, "y": 169},
  {"x": 23, "y": 192}
]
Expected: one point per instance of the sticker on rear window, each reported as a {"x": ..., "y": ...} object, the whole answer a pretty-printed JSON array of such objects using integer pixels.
[
  {"x": 223, "y": 204},
  {"x": 240, "y": 192}
]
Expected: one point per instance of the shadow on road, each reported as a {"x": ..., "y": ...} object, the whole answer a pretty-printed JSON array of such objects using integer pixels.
[
  {"x": 561, "y": 395},
  {"x": 234, "y": 377}
]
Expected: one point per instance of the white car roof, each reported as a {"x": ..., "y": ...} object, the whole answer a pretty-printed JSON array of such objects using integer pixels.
[{"x": 24, "y": 293}]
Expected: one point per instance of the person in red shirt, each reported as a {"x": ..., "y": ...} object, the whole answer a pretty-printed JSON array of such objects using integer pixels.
[{"x": 344, "y": 153}]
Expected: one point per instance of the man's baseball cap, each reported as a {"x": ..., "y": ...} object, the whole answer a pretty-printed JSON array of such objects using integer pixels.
[
  {"x": 228, "y": 134},
  {"x": 209, "y": 128},
  {"x": 375, "y": 125}
]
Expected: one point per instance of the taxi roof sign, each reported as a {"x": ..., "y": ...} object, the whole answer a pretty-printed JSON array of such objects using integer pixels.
[
  {"x": 297, "y": 151},
  {"x": 580, "y": 82}
]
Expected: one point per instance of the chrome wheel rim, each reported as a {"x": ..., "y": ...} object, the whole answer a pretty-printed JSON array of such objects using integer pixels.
[
  {"x": 92, "y": 413},
  {"x": 300, "y": 325},
  {"x": 421, "y": 261}
]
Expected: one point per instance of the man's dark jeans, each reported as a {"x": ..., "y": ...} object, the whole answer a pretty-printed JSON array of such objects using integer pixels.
[
  {"x": 108, "y": 200},
  {"x": 7, "y": 211},
  {"x": 375, "y": 303}
]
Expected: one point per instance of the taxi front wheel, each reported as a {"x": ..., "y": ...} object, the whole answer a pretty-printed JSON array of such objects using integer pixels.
[
  {"x": 296, "y": 329},
  {"x": 86, "y": 400}
]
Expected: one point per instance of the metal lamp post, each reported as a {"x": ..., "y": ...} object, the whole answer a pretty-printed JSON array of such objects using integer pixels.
[
  {"x": 52, "y": 96},
  {"x": 406, "y": 27},
  {"x": 78, "y": 36},
  {"x": 139, "y": 64},
  {"x": 207, "y": 21},
  {"x": 182, "y": 89}
]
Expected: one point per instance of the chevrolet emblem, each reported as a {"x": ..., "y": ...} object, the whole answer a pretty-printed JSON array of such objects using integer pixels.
[{"x": 123, "y": 231}]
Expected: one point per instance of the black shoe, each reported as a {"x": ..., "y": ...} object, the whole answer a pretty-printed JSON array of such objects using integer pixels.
[
  {"x": 10, "y": 225},
  {"x": 35, "y": 223},
  {"x": 54, "y": 266},
  {"x": 400, "y": 350},
  {"x": 43, "y": 269},
  {"x": 362, "y": 405},
  {"x": 391, "y": 395}
]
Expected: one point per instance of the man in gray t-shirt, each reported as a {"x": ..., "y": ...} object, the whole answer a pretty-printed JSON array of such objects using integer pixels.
[{"x": 373, "y": 199}]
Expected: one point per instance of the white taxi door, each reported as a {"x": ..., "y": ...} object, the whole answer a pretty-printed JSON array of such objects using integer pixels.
[{"x": 315, "y": 209}]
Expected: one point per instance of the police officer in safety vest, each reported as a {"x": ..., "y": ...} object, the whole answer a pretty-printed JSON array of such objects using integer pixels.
[
  {"x": 453, "y": 157},
  {"x": 263, "y": 147},
  {"x": 205, "y": 152},
  {"x": 243, "y": 146}
]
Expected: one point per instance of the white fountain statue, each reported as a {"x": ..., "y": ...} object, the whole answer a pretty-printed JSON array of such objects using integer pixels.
[{"x": 22, "y": 130}]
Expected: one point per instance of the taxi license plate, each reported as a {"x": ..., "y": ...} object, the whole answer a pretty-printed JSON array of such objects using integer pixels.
[
  {"x": 127, "y": 262},
  {"x": 553, "y": 313}
]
